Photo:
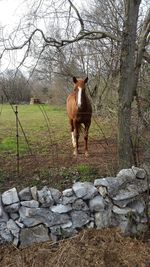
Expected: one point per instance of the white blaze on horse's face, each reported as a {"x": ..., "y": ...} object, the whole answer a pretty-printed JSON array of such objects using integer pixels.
[{"x": 79, "y": 96}]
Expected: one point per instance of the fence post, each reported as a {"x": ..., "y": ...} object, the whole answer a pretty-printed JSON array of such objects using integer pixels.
[{"x": 17, "y": 139}]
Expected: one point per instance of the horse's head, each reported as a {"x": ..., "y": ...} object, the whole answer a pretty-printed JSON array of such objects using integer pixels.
[{"x": 79, "y": 88}]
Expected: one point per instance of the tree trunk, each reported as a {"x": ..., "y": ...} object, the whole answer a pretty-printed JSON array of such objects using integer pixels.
[{"x": 126, "y": 85}]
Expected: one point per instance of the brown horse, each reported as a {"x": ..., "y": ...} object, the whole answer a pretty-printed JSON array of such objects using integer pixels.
[{"x": 79, "y": 111}]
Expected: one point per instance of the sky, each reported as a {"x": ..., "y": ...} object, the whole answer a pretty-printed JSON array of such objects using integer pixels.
[
  {"x": 9, "y": 9},
  {"x": 11, "y": 12}
]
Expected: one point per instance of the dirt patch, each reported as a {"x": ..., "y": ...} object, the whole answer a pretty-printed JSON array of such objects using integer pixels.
[
  {"x": 91, "y": 248},
  {"x": 57, "y": 167}
]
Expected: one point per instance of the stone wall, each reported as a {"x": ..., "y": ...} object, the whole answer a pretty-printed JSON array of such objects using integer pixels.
[{"x": 33, "y": 215}]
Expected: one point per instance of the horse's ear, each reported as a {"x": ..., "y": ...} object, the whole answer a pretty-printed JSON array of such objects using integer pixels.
[
  {"x": 86, "y": 79},
  {"x": 75, "y": 80}
]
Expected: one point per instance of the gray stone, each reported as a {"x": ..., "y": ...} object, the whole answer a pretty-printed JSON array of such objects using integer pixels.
[
  {"x": 67, "y": 225},
  {"x": 79, "y": 218},
  {"x": 144, "y": 220},
  {"x": 139, "y": 173},
  {"x": 1, "y": 210},
  {"x": 13, "y": 228},
  {"x": 57, "y": 230},
  {"x": 127, "y": 173},
  {"x": 103, "y": 191},
  {"x": 60, "y": 208},
  {"x": 97, "y": 204},
  {"x": 25, "y": 194},
  {"x": 56, "y": 194},
  {"x": 62, "y": 232},
  {"x": 68, "y": 192},
  {"x": 124, "y": 197},
  {"x": 3, "y": 214},
  {"x": 128, "y": 224},
  {"x": 45, "y": 197},
  {"x": 90, "y": 225},
  {"x": 126, "y": 219},
  {"x": 69, "y": 232},
  {"x": 102, "y": 182},
  {"x": 10, "y": 197},
  {"x": 30, "y": 203},
  {"x": 103, "y": 218},
  {"x": 125, "y": 194},
  {"x": 79, "y": 204},
  {"x": 140, "y": 185},
  {"x": 126, "y": 227},
  {"x": 138, "y": 206},
  {"x": 123, "y": 211},
  {"x": 142, "y": 228},
  {"x": 21, "y": 225},
  {"x": 33, "y": 235},
  {"x": 69, "y": 200},
  {"x": 34, "y": 192},
  {"x": 5, "y": 234},
  {"x": 84, "y": 190},
  {"x": 53, "y": 237},
  {"x": 16, "y": 241},
  {"x": 31, "y": 217},
  {"x": 14, "y": 216},
  {"x": 13, "y": 208},
  {"x": 146, "y": 167},
  {"x": 112, "y": 184}
]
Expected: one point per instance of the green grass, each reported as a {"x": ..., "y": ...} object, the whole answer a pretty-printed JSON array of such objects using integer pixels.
[
  {"x": 39, "y": 132},
  {"x": 42, "y": 139},
  {"x": 86, "y": 172},
  {"x": 8, "y": 144},
  {"x": 34, "y": 125}
]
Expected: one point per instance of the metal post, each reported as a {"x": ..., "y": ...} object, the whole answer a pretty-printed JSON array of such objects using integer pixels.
[{"x": 17, "y": 140}]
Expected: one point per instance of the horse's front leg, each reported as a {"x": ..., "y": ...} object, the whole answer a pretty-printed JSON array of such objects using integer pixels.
[
  {"x": 72, "y": 133},
  {"x": 87, "y": 125},
  {"x": 76, "y": 135}
]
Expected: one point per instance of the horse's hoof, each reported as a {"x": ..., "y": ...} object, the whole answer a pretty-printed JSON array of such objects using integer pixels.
[{"x": 75, "y": 153}]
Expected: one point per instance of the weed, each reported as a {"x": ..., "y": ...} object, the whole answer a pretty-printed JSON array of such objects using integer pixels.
[
  {"x": 8, "y": 144},
  {"x": 2, "y": 176},
  {"x": 86, "y": 172}
]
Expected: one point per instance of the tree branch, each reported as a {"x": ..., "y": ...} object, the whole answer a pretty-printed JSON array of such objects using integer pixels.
[
  {"x": 78, "y": 15},
  {"x": 91, "y": 35},
  {"x": 143, "y": 39}
]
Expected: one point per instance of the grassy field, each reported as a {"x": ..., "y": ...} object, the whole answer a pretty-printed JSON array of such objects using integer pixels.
[
  {"x": 37, "y": 129},
  {"x": 41, "y": 125},
  {"x": 46, "y": 135}
]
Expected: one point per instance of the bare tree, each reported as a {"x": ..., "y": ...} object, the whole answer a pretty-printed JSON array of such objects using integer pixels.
[{"x": 14, "y": 88}]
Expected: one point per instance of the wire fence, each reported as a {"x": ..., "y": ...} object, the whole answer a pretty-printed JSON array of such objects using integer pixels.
[
  {"x": 35, "y": 144},
  {"x": 37, "y": 139}
]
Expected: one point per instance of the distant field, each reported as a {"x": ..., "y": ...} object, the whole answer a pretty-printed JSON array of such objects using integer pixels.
[{"x": 42, "y": 125}]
